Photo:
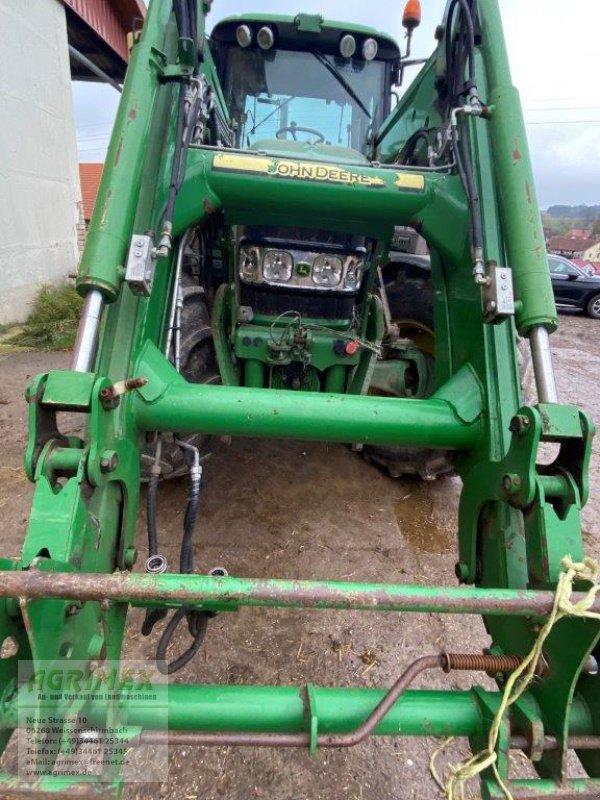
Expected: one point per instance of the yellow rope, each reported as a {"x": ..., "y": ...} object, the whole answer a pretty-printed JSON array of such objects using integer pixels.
[
  {"x": 433, "y": 766},
  {"x": 520, "y": 679}
]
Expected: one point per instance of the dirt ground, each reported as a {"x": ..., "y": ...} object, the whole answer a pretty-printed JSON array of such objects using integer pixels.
[{"x": 292, "y": 509}]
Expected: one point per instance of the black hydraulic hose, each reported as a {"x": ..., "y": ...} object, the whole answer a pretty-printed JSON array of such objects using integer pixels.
[
  {"x": 455, "y": 76},
  {"x": 470, "y": 31},
  {"x": 193, "y": 14},
  {"x": 186, "y": 562},
  {"x": 182, "y": 17},
  {"x": 467, "y": 15},
  {"x": 197, "y": 623},
  {"x": 176, "y": 168},
  {"x": 197, "y": 620},
  {"x": 465, "y": 168}
]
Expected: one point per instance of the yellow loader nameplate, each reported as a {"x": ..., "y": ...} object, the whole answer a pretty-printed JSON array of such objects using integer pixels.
[
  {"x": 296, "y": 170},
  {"x": 413, "y": 182},
  {"x": 312, "y": 171}
]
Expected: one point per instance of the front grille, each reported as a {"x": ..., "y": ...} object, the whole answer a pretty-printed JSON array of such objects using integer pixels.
[{"x": 273, "y": 301}]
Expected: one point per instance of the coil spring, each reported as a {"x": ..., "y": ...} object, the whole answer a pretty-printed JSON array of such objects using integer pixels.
[{"x": 479, "y": 662}]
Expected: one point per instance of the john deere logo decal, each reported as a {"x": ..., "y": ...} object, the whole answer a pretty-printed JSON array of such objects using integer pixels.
[{"x": 296, "y": 170}]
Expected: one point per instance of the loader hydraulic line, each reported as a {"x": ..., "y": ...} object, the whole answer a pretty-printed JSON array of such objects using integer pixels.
[{"x": 232, "y": 278}]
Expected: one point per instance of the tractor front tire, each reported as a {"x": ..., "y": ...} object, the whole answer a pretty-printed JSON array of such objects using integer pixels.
[
  {"x": 197, "y": 365},
  {"x": 410, "y": 295}
]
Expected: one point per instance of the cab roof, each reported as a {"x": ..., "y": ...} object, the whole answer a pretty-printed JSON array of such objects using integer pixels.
[{"x": 306, "y": 30}]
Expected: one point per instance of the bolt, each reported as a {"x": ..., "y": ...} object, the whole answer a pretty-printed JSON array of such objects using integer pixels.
[
  {"x": 461, "y": 570},
  {"x": 511, "y": 483},
  {"x": 130, "y": 557},
  {"x": 109, "y": 461},
  {"x": 591, "y": 666},
  {"x": 135, "y": 383},
  {"x": 106, "y": 393},
  {"x": 519, "y": 424}
]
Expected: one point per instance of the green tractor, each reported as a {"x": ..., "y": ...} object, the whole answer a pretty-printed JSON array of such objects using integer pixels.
[{"x": 285, "y": 246}]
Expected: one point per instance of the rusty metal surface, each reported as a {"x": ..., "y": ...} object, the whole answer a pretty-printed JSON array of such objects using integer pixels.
[
  {"x": 479, "y": 662},
  {"x": 302, "y": 739},
  {"x": 110, "y": 19},
  {"x": 551, "y": 743},
  {"x": 192, "y": 590},
  {"x": 209, "y": 739},
  {"x": 486, "y": 663}
]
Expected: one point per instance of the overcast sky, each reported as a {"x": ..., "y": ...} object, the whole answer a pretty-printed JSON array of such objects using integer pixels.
[{"x": 555, "y": 57}]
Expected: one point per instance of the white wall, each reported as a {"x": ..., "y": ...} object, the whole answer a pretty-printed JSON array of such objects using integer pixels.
[{"x": 39, "y": 182}]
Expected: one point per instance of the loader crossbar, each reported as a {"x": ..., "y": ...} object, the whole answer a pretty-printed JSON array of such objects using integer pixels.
[{"x": 171, "y": 590}]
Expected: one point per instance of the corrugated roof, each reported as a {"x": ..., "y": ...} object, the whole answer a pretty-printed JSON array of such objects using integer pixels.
[
  {"x": 89, "y": 178},
  {"x": 110, "y": 19},
  {"x": 572, "y": 244}
]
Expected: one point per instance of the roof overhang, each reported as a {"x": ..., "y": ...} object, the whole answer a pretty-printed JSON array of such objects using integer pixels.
[{"x": 98, "y": 29}]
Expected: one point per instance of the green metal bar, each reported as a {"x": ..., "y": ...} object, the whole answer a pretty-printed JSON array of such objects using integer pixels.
[
  {"x": 170, "y": 589},
  {"x": 536, "y": 789},
  {"x": 523, "y": 232},
  {"x": 555, "y": 486},
  {"x": 254, "y": 373},
  {"x": 66, "y": 459},
  {"x": 366, "y": 199},
  {"x": 111, "y": 226},
  {"x": 336, "y": 379},
  {"x": 282, "y": 709},
  {"x": 239, "y": 411}
]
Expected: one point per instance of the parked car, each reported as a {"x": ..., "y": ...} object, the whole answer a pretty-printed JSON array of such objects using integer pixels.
[{"x": 573, "y": 287}]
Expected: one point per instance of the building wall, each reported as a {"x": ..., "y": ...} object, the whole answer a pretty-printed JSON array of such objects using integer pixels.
[{"x": 39, "y": 182}]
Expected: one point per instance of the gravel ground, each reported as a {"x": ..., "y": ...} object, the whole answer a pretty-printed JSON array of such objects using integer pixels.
[{"x": 292, "y": 509}]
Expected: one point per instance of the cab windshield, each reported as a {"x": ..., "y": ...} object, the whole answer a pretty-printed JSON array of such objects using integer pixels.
[{"x": 304, "y": 96}]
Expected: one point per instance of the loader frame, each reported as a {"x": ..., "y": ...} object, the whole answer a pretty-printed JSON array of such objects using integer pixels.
[{"x": 68, "y": 594}]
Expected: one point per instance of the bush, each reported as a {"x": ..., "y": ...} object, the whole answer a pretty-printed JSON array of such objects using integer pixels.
[{"x": 53, "y": 322}]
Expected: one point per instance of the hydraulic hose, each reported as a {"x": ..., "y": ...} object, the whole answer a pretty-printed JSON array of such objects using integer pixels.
[{"x": 197, "y": 620}]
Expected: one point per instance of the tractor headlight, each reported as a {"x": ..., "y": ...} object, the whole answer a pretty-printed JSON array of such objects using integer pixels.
[
  {"x": 250, "y": 263},
  {"x": 277, "y": 266},
  {"x": 243, "y": 35},
  {"x": 354, "y": 270},
  {"x": 327, "y": 270},
  {"x": 265, "y": 38},
  {"x": 369, "y": 49},
  {"x": 347, "y": 45}
]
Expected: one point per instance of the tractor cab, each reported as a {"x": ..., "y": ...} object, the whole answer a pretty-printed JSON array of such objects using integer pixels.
[{"x": 305, "y": 87}]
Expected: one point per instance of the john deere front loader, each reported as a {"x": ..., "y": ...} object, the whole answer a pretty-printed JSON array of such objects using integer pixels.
[{"x": 249, "y": 272}]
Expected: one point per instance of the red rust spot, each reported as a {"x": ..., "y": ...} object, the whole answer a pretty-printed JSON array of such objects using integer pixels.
[
  {"x": 516, "y": 154},
  {"x": 528, "y": 192},
  {"x": 132, "y": 113},
  {"x": 208, "y": 206}
]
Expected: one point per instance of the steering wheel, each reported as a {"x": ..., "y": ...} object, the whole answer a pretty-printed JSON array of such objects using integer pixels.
[{"x": 293, "y": 129}]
